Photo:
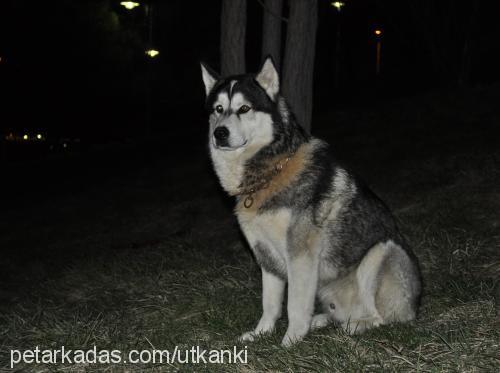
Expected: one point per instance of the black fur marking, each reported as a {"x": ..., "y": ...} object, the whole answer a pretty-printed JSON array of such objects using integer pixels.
[
  {"x": 221, "y": 86},
  {"x": 287, "y": 138},
  {"x": 362, "y": 223},
  {"x": 322, "y": 171}
]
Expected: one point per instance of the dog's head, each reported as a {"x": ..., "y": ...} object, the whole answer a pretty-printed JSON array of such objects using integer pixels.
[{"x": 241, "y": 108}]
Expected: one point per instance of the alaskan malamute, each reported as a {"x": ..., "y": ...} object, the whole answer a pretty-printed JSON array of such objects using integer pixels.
[{"x": 309, "y": 221}]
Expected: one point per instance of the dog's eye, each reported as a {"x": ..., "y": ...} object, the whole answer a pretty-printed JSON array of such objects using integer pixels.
[
  {"x": 244, "y": 109},
  {"x": 219, "y": 109}
]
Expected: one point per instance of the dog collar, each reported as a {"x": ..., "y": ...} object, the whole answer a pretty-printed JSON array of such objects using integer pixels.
[{"x": 263, "y": 183}]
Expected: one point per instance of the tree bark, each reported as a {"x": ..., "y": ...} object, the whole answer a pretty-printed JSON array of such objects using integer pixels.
[
  {"x": 298, "y": 65},
  {"x": 232, "y": 36},
  {"x": 271, "y": 31}
]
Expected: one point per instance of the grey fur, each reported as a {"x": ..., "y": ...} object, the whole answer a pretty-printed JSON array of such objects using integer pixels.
[{"x": 267, "y": 261}]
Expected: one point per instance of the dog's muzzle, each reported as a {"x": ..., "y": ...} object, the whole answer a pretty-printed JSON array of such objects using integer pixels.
[{"x": 221, "y": 135}]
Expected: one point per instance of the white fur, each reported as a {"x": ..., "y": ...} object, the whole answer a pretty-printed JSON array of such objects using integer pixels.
[
  {"x": 208, "y": 79},
  {"x": 268, "y": 79},
  {"x": 238, "y": 100},
  {"x": 272, "y": 301},
  {"x": 223, "y": 100},
  {"x": 270, "y": 229},
  {"x": 320, "y": 320},
  {"x": 229, "y": 167},
  {"x": 302, "y": 286},
  {"x": 343, "y": 189},
  {"x": 231, "y": 85}
]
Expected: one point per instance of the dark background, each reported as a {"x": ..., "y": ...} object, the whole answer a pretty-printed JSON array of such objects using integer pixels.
[{"x": 77, "y": 69}]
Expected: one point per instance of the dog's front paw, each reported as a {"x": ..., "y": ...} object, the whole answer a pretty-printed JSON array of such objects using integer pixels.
[
  {"x": 292, "y": 337},
  {"x": 247, "y": 337},
  {"x": 290, "y": 340}
]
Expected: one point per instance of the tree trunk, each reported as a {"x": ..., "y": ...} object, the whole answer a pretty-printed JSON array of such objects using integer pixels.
[
  {"x": 232, "y": 36},
  {"x": 271, "y": 31},
  {"x": 298, "y": 65}
]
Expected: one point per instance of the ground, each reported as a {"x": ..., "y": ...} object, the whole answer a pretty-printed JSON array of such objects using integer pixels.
[{"x": 136, "y": 247}]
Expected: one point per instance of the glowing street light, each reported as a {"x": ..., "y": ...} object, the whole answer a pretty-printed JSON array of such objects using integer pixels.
[
  {"x": 39, "y": 136},
  {"x": 129, "y": 4},
  {"x": 25, "y": 137},
  {"x": 338, "y": 5},
  {"x": 378, "y": 35},
  {"x": 152, "y": 53}
]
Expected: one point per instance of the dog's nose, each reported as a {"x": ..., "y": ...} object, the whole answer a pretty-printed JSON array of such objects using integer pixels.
[{"x": 221, "y": 133}]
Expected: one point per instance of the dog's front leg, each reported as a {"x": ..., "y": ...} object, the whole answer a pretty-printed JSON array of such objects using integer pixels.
[
  {"x": 302, "y": 284},
  {"x": 272, "y": 300}
]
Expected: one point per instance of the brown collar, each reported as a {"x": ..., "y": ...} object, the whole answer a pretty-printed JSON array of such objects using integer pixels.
[{"x": 250, "y": 189}]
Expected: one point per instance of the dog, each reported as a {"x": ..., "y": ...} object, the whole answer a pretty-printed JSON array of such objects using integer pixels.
[{"x": 309, "y": 222}]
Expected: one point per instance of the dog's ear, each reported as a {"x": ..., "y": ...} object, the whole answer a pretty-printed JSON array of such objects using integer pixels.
[
  {"x": 268, "y": 78},
  {"x": 209, "y": 77}
]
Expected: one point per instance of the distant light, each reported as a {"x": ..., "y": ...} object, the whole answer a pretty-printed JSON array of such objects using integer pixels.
[
  {"x": 25, "y": 137},
  {"x": 152, "y": 53},
  {"x": 65, "y": 145},
  {"x": 378, "y": 32},
  {"x": 39, "y": 136},
  {"x": 338, "y": 5},
  {"x": 129, "y": 4}
]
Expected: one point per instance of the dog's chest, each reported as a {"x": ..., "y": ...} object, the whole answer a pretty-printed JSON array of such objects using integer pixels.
[
  {"x": 229, "y": 168},
  {"x": 267, "y": 235}
]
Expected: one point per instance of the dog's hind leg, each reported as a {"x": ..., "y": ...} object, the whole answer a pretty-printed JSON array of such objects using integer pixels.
[
  {"x": 382, "y": 289},
  {"x": 368, "y": 278},
  {"x": 361, "y": 313},
  {"x": 397, "y": 296},
  {"x": 272, "y": 300}
]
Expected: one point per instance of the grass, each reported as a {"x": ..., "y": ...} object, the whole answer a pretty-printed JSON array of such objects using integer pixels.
[{"x": 134, "y": 283}]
